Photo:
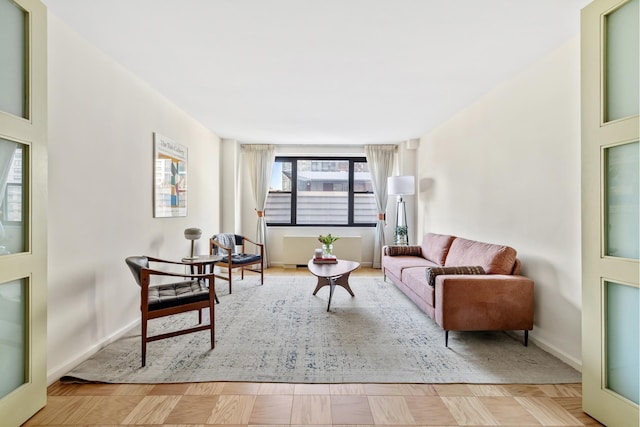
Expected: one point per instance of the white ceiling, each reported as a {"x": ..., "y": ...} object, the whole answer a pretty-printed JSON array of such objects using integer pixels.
[{"x": 322, "y": 71}]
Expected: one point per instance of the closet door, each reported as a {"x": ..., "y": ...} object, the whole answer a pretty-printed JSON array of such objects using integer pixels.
[
  {"x": 610, "y": 211},
  {"x": 23, "y": 198}
]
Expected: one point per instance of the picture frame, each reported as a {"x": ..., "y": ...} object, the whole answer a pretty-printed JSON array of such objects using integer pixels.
[{"x": 170, "y": 189}]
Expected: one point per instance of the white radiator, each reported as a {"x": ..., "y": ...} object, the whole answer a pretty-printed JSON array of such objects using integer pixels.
[{"x": 298, "y": 250}]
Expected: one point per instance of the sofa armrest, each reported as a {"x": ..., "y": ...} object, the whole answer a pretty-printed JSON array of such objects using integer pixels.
[{"x": 489, "y": 302}]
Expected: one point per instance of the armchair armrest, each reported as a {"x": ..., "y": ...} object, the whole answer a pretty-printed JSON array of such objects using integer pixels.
[
  {"x": 484, "y": 302},
  {"x": 146, "y": 273},
  {"x": 213, "y": 242},
  {"x": 245, "y": 239},
  {"x": 165, "y": 261},
  {"x": 256, "y": 244}
]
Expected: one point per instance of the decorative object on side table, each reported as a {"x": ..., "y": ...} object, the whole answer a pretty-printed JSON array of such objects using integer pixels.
[
  {"x": 327, "y": 245},
  {"x": 401, "y": 186},
  {"x": 326, "y": 260},
  {"x": 192, "y": 234}
]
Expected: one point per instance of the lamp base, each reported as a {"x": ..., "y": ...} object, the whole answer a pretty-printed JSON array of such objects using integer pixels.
[
  {"x": 401, "y": 235},
  {"x": 192, "y": 257},
  {"x": 400, "y": 240}
]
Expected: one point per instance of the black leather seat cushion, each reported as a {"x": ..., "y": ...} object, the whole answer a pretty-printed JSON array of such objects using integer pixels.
[
  {"x": 242, "y": 259},
  {"x": 171, "y": 295}
]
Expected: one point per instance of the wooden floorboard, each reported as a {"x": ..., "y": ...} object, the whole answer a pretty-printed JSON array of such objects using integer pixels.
[{"x": 262, "y": 404}]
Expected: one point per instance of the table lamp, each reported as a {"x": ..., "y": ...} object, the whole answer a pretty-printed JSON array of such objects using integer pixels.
[{"x": 192, "y": 234}]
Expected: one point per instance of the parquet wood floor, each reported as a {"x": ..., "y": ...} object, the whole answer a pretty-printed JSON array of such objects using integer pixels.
[
  {"x": 275, "y": 404},
  {"x": 263, "y": 404}
]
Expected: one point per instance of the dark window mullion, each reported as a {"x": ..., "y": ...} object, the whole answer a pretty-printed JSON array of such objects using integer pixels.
[
  {"x": 351, "y": 201},
  {"x": 294, "y": 191}
]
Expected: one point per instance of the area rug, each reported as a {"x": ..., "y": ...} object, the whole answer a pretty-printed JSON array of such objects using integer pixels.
[{"x": 280, "y": 332}]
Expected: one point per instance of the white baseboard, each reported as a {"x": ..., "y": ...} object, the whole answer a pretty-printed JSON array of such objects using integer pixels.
[
  {"x": 58, "y": 372},
  {"x": 569, "y": 360}
]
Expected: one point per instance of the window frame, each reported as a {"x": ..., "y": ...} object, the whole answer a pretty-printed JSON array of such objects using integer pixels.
[{"x": 294, "y": 191}]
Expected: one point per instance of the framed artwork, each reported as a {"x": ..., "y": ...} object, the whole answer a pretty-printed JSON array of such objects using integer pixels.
[{"x": 170, "y": 177}]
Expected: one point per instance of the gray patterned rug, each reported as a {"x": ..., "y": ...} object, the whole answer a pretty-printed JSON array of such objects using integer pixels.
[{"x": 280, "y": 332}]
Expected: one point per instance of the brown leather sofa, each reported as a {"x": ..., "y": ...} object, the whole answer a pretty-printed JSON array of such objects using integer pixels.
[{"x": 464, "y": 285}]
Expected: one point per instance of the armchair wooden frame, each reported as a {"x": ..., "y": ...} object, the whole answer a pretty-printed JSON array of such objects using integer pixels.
[
  {"x": 253, "y": 264},
  {"x": 198, "y": 300}
]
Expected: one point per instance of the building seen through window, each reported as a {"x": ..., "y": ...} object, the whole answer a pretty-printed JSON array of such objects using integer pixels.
[{"x": 321, "y": 191}]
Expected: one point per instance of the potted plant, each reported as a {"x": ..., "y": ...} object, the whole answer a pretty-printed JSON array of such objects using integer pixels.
[{"x": 327, "y": 244}]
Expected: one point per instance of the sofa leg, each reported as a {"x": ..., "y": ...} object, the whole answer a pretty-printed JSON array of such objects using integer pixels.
[
  {"x": 446, "y": 338},
  {"x": 526, "y": 338}
]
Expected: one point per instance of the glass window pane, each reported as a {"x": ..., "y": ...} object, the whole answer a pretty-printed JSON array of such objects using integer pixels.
[
  {"x": 278, "y": 208},
  {"x": 622, "y": 70},
  {"x": 622, "y": 215},
  {"x": 12, "y": 197},
  {"x": 12, "y": 335},
  {"x": 13, "y": 86},
  {"x": 281, "y": 177},
  {"x": 622, "y": 340},
  {"x": 362, "y": 177},
  {"x": 323, "y": 192},
  {"x": 365, "y": 210}
]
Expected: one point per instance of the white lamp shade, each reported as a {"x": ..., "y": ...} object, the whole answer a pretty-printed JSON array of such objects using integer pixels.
[{"x": 401, "y": 185}]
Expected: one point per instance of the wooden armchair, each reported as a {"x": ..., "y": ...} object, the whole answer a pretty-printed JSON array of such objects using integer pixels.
[
  {"x": 234, "y": 244},
  {"x": 159, "y": 300}
]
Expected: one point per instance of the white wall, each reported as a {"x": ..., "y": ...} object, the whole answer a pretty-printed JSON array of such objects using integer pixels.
[
  {"x": 507, "y": 170},
  {"x": 101, "y": 124}
]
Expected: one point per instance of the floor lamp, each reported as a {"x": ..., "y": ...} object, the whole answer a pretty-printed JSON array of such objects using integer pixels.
[{"x": 401, "y": 186}]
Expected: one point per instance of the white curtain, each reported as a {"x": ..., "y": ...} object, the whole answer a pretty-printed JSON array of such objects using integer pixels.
[
  {"x": 259, "y": 161},
  {"x": 380, "y": 159}
]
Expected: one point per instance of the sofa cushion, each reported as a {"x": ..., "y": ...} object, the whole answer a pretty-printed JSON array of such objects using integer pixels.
[
  {"x": 415, "y": 279},
  {"x": 396, "y": 264},
  {"x": 495, "y": 259},
  {"x": 435, "y": 247},
  {"x": 433, "y": 272},
  {"x": 396, "y": 250}
]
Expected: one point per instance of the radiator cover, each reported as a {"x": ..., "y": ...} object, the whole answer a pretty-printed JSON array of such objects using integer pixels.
[{"x": 298, "y": 250}]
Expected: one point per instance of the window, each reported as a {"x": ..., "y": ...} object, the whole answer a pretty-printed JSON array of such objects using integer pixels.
[{"x": 308, "y": 191}]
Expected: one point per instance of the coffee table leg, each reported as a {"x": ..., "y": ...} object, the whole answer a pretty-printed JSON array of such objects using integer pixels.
[
  {"x": 332, "y": 282},
  {"x": 332, "y": 286},
  {"x": 322, "y": 282},
  {"x": 344, "y": 282}
]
